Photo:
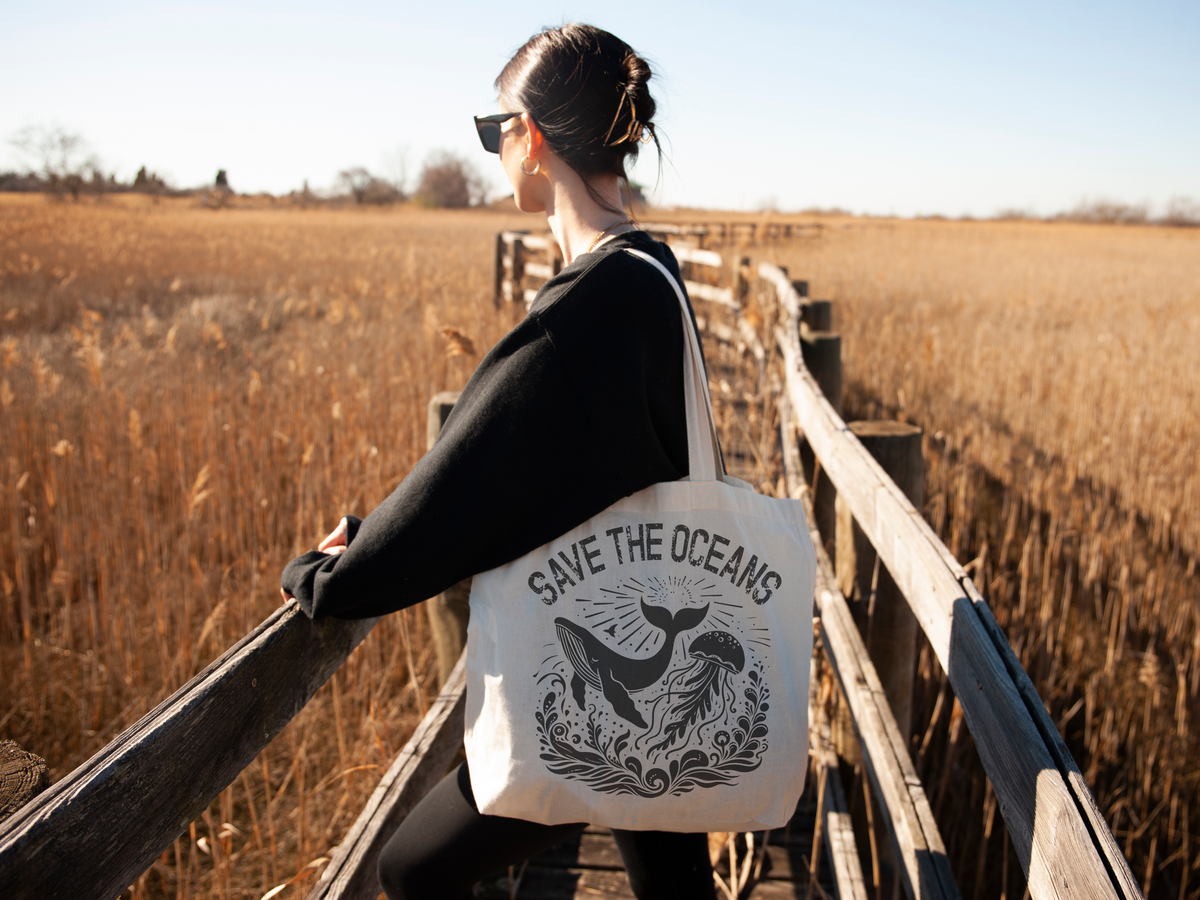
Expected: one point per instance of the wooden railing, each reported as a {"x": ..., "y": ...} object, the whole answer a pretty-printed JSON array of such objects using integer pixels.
[
  {"x": 1064, "y": 845},
  {"x": 524, "y": 262},
  {"x": 96, "y": 830}
]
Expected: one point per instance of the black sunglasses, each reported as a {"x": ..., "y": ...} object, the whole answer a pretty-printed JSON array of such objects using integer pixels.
[{"x": 489, "y": 129}]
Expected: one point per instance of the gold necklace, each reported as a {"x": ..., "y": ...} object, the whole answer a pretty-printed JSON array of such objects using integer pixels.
[{"x": 596, "y": 240}]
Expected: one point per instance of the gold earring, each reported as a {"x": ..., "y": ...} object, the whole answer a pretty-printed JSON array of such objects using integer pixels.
[{"x": 537, "y": 166}]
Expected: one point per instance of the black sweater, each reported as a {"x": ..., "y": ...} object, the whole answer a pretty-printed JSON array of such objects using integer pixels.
[{"x": 578, "y": 406}]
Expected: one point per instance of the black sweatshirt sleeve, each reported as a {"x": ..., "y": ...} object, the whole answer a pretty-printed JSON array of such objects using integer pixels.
[{"x": 580, "y": 405}]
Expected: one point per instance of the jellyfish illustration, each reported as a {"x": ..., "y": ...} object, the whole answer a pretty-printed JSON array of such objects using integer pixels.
[{"x": 704, "y": 691}]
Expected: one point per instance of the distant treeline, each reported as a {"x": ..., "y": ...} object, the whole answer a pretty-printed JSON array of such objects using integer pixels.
[
  {"x": 92, "y": 181},
  {"x": 446, "y": 181},
  {"x": 62, "y": 164},
  {"x": 1180, "y": 211}
]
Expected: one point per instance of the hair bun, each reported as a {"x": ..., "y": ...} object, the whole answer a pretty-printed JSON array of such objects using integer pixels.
[
  {"x": 637, "y": 72},
  {"x": 587, "y": 90}
]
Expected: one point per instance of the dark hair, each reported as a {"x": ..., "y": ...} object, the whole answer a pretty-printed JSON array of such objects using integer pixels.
[{"x": 582, "y": 85}]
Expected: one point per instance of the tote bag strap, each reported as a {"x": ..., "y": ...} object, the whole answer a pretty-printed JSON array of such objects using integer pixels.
[{"x": 704, "y": 455}]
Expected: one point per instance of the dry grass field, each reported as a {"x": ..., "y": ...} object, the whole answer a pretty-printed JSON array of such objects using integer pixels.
[
  {"x": 189, "y": 399},
  {"x": 191, "y": 396},
  {"x": 1054, "y": 370}
]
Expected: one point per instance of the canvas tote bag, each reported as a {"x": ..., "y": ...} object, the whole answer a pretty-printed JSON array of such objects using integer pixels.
[{"x": 648, "y": 670}]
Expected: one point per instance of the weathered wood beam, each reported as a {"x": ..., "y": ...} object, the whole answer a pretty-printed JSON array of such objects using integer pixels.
[
  {"x": 1062, "y": 842},
  {"x": 880, "y": 611},
  {"x": 683, "y": 253},
  {"x": 501, "y": 253},
  {"x": 916, "y": 840},
  {"x": 722, "y": 295},
  {"x": 95, "y": 831},
  {"x": 423, "y": 762},
  {"x": 532, "y": 241},
  {"x": 539, "y": 270},
  {"x": 836, "y": 827},
  {"x": 924, "y": 869},
  {"x": 22, "y": 777},
  {"x": 834, "y": 824}
]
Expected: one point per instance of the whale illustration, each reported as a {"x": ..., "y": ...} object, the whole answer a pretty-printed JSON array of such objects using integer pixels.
[{"x": 616, "y": 675}]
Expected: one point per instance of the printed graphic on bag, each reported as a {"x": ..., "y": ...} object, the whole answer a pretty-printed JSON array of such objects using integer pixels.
[{"x": 655, "y": 682}]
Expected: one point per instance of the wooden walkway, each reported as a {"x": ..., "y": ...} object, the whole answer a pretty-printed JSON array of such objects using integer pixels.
[{"x": 588, "y": 867}]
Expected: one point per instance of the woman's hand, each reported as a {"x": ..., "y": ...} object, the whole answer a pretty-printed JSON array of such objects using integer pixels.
[{"x": 334, "y": 543}]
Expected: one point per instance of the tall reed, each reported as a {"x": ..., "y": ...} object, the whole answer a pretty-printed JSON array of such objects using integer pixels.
[
  {"x": 190, "y": 398},
  {"x": 1052, "y": 369}
]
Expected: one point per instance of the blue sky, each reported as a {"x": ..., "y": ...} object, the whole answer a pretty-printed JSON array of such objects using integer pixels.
[{"x": 885, "y": 108}]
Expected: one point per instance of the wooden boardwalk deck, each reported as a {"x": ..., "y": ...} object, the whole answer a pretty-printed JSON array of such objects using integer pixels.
[{"x": 588, "y": 867}]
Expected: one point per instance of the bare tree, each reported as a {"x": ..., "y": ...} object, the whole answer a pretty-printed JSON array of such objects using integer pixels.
[
  {"x": 1182, "y": 211},
  {"x": 449, "y": 181},
  {"x": 354, "y": 182},
  {"x": 364, "y": 187},
  {"x": 63, "y": 159},
  {"x": 1108, "y": 211}
]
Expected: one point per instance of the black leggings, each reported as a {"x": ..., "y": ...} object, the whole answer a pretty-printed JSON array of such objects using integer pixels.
[{"x": 446, "y": 845}]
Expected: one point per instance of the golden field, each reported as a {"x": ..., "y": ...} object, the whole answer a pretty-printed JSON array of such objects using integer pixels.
[
  {"x": 189, "y": 399},
  {"x": 192, "y": 396},
  {"x": 1053, "y": 369}
]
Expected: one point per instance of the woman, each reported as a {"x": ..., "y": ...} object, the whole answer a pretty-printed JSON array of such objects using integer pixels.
[{"x": 578, "y": 406}]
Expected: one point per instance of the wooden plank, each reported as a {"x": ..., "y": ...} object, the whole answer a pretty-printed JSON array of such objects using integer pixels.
[
  {"x": 93, "y": 833},
  {"x": 1058, "y": 847},
  {"x": 422, "y": 763},
  {"x": 835, "y": 816},
  {"x": 915, "y": 836},
  {"x": 843, "y": 852},
  {"x": 694, "y": 255},
  {"x": 531, "y": 241},
  {"x": 665, "y": 229},
  {"x": 722, "y": 295},
  {"x": 1117, "y": 866},
  {"x": 562, "y": 884},
  {"x": 784, "y": 290},
  {"x": 539, "y": 270},
  {"x": 588, "y": 851}
]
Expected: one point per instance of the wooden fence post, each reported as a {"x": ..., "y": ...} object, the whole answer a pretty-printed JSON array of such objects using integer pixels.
[
  {"x": 498, "y": 297},
  {"x": 518, "y": 270},
  {"x": 816, "y": 314},
  {"x": 740, "y": 281},
  {"x": 449, "y": 610},
  {"x": 822, "y": 353},
  {"x": 883, "y": 616},
  {"x": 22, "y": 777}
]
